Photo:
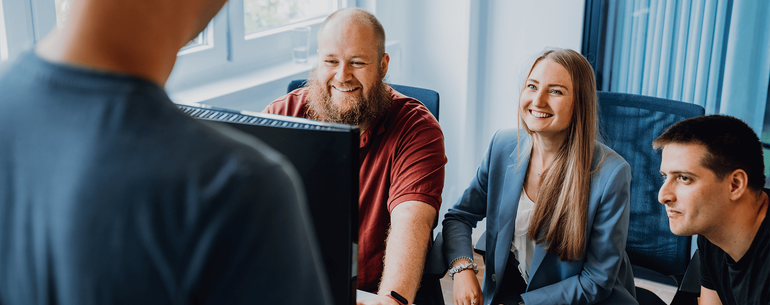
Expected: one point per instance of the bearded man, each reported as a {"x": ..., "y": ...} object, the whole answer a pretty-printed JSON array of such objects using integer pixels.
[{"x": 401, "y": 152}]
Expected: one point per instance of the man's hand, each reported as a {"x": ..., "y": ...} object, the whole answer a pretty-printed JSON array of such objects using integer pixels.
[{"x": 379, "y": 300}]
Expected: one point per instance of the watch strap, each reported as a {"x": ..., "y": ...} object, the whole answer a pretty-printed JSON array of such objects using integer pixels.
[{"x": 398, "y": 298}]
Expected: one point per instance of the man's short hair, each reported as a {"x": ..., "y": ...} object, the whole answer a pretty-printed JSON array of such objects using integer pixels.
[
  {"x": 360, "y": 16},
  {"x": 730, "y": 144}
]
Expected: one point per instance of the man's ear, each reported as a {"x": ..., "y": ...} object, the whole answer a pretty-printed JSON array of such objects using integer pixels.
[
  {"x": 384, "y": 64},
  {"x": 739, "y": 183}
]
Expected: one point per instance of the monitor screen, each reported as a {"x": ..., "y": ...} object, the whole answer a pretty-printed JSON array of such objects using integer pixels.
[{"x": 326, "y": 157}]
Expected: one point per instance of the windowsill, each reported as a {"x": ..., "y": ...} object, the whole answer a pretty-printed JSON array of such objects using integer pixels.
[{"x": 215, "y": 92}]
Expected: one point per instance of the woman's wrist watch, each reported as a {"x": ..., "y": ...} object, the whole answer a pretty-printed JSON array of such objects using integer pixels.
[{"x": 460, "y": 267}]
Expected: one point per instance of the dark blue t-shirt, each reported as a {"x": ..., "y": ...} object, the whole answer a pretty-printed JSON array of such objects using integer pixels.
[{"x": 110, "y": 195}]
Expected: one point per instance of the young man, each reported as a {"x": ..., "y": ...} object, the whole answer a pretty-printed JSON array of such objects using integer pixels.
[
  {"x": 111, "y": 195},
  {"x": 401, "y": 151},
  {"x": 713, "y": 186}
]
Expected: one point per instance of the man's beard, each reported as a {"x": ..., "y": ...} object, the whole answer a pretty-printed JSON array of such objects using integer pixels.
[{"x": 362, "y": 110}]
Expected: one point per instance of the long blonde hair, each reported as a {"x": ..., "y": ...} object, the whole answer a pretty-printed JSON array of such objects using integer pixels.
[{"x": 560, "y": 213}]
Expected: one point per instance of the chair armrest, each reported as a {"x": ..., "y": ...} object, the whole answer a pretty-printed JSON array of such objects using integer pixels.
[
  {"x": 691, "y": 281},
  {"x": 435, "y": 263},
  {"x": 689, "y": 289}
]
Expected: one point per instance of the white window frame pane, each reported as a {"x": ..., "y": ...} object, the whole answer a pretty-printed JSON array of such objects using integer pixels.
[
  {"x": 270, "y": 46},
  {"x": 203, "y": 63},
  {"x": 66, "y": 13},
  {"x": 43, "y": 17},
  {"x": 198, "y": 59},
  {"x": 18, "y": 24},
  {"x": 3, "y": 41}
]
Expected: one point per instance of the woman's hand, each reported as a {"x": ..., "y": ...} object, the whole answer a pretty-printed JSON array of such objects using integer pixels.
[{"x": 466, "y": 288}]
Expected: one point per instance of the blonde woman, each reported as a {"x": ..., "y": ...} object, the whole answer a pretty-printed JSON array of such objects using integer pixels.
[{"x": 556, "y": 201}]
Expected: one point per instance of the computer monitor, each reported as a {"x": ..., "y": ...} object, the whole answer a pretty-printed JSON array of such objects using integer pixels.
[{"x": 326, "y": 157}]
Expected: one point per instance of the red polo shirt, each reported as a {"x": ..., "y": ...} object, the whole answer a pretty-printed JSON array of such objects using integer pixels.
[{"x": 402, "y": 159}]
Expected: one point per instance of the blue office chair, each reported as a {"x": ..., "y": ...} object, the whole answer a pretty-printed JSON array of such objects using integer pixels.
[
  {"x": 427, "y": 97},
  {"x": 628, "y": 124}
]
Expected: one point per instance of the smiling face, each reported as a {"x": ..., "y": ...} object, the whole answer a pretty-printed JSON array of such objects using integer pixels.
[
  {"x": 348, "y": 79},
  {"x": 547, "y": 101},
  {"x": 696, "y": 199}
]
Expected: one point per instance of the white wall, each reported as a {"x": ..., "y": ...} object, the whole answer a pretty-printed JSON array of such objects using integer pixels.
[{"x": 473, "y": 52}]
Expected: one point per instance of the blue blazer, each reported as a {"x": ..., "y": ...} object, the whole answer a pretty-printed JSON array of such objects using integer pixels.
[{"x": 602, "y": 276}]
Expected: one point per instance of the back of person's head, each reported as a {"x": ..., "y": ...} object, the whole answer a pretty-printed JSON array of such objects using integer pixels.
[
  {"x": 730, "y": 145},
  {"x": 358, "y": 17},
  {"x": 151, "y": 35}
]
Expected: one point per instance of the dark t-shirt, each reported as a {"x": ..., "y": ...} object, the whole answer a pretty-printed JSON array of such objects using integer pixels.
[
  {"x": 110, "y": 195},
  {"x": 744, "y": 282}
]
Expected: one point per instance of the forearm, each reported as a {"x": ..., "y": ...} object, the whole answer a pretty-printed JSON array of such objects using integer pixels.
[
  {"x": 708, "y": 297},
  {"x": 406, "y": 248}
]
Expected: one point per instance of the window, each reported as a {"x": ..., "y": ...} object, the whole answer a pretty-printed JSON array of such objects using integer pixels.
[
  {"x": 668, "y": 49},
  {"x": 261, "y": 15},
  {"x": 3, "y": 40},
  {"x": 246, "y": 34},
  {"x": 254, "y": 36},
  {"x": 265, "y": 23},
  {"x": 16, "y": 30},
  {"x": 226, "y": 65},
  {"x": 62, "y": 11},
  {"x": 697, "y": 51}
]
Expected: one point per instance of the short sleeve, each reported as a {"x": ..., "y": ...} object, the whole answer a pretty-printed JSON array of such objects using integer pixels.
[
  {"x": 417, "y": 172},
  {"x": 292, "y": 104}
]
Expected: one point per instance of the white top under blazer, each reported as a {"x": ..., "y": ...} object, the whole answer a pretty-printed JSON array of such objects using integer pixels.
[{"x": 522, "y": 246}]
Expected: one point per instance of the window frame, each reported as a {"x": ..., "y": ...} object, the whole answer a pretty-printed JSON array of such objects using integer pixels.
[
  {"x": 240, "y": 54},
  {"x": 43, "y": 17},
  {"x": 17, "y": 15},
  {"x": 244, "y": 48},
  {"x": 228, "y": 50},
  {"x": 3, "y": 40},
  {"x": 199, "y": 59}
]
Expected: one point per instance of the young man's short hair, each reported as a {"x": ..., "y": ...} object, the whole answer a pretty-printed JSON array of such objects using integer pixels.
[{"x": 730, "y": 144}]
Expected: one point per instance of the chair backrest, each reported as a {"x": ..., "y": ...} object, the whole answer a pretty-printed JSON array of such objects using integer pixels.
[
  {"x": 427, "y": 97},
  {"x": 628, "y": 124}
]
